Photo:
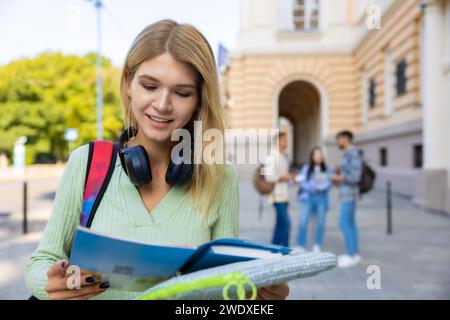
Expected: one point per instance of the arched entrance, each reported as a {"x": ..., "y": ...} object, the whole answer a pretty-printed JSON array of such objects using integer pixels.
[{"x": 299, "y": 101}]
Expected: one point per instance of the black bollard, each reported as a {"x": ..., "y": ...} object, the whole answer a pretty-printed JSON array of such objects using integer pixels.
[
  {"x": 389, "y": 207},
  {"x": 25, "y": 208}
]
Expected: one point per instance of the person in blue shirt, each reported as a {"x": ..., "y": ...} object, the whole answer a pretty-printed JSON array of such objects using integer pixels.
[
  {"x": 315, "y": 182},
  {"x": 348, "y": 178}
]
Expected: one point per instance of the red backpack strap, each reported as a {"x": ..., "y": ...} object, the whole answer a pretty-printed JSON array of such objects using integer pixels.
[{"x": 101, "y": 163}]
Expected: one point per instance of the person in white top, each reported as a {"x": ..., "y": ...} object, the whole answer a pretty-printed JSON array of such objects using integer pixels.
[{"x": 276, "y": 170}]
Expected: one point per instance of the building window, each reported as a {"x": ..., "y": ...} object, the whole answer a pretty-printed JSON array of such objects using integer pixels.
[
  {"x": 365, "y": 99},
  {"x": 299, "y": 15},
  {"x": 372, "y": 93},
  {"x": 417, "y": 156},
  {"x": 400, "y": 75},
  {"x": 383, "y": 157},
  {"x": 388, "y": 83}
]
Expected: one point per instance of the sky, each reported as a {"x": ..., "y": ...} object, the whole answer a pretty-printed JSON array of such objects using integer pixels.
[{"x": 30, "y": 27}]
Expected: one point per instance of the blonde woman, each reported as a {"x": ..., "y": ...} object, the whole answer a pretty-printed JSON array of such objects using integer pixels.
[{"x": 168, "y": 81}]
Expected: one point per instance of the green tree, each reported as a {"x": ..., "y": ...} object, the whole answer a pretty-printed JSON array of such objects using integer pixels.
[{"x": 42, "y": 96}]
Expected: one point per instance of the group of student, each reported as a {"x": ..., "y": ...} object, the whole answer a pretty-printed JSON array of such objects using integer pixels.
[{"x": 315, "y": 180}]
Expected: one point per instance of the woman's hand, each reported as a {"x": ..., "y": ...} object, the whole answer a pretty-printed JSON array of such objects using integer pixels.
[
  {"x": 291, "y": 176},
  {"x": 336, "y": 178},
  {"x": 285, "y": 178},
  {"x": 277, "y": 292},
  {"x": 57, "y": 289}
]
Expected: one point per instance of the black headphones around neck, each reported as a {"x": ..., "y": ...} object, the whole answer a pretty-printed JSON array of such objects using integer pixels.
[{"x": 136, "y": 164}]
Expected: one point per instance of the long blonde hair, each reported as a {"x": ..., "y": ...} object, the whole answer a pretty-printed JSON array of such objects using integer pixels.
[{"x": 186, "y": 44}]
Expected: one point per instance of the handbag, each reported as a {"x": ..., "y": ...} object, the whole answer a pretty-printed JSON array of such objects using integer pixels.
[{"x": 261, "y": 184}]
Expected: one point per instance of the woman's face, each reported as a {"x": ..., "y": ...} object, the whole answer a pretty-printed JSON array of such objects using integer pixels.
[
  {"x": 317, "y": 156},
  {"x": 164, "y": 95}
]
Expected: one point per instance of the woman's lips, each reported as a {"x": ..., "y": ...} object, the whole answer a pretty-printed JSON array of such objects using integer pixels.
[{"x": 159, "y": 122}]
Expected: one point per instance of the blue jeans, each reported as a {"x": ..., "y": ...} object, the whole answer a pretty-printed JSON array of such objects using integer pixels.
[
  {"x": 283, "y": 224},
  {"x": 347, "y": 223},
  {"x": 316, "y": 204}
]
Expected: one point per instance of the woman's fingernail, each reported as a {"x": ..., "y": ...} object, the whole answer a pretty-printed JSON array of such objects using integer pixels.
[
  {"x": 63, "y": 264},
  {"x": 104, "y": 285},
  {"x": 90, "y": 280}
]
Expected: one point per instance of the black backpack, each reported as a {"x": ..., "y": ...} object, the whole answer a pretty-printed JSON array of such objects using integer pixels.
[{"x": 368, "y": 177}]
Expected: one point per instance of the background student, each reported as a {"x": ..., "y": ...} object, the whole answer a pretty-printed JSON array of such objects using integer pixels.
[
  {"x": 315, "y": 182},
  {"x": 277, "y": 167},
  {"x": 348, "y": 180}
]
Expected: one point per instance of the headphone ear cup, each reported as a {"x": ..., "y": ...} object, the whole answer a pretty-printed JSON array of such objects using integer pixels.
[
  {"x": 179, "y": 173},
  {"x": 138, "y": 165},
  {"x": 182, "y": 172},
  {"x": 172, "y": 173}
]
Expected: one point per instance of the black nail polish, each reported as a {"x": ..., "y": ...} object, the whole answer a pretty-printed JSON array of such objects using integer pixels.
[
  {"x": 90, "y": 280},
  {"x": 104, "y": 285},
  {"x": 63, "y": 264}
]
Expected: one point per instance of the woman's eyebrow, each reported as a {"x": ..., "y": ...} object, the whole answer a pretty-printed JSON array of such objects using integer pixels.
[{"x": 178, "y": 85}]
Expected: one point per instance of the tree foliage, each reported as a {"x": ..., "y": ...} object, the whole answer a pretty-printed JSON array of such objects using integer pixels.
[{"x": 42, "y": 96}]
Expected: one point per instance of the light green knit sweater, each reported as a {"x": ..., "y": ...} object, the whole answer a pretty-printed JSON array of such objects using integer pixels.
[{"x": 122, "y": 213}]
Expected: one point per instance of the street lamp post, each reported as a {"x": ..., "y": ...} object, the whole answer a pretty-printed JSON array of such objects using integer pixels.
[{"x": 98, "y": 5}]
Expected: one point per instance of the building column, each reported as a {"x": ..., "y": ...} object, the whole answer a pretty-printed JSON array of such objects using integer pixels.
[
  {"x": 447, "y": 91},
  {"x": 431, "y": 183},
  {"x": 435, "y": 120}
]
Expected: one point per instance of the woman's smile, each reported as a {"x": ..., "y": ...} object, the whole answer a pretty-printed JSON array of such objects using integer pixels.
[{"x": 159, "y": 122}]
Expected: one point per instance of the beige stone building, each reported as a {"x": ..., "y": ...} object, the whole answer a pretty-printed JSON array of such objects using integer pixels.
[{"x": 379, "y": 68}]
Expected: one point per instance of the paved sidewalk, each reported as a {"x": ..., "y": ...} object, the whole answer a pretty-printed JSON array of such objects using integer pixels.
[{"x": 414, "y": 260}]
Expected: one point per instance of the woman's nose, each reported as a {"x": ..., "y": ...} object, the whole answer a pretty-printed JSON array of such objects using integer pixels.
[{"x": 163, "y": 102}]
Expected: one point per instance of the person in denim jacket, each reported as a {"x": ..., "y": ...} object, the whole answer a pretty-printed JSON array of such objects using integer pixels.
[
  {"x": 348, "y": 179},
  {"x": 315, "y": 182}
]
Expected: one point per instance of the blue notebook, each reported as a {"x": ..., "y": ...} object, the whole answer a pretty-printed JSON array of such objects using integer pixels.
[{"x": 137, "y": 266}]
